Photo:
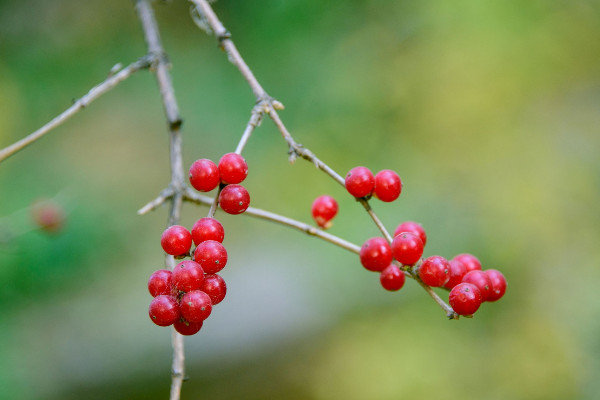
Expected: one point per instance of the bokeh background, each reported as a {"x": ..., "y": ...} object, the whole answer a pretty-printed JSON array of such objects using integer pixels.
[{"x": 489, "y": 111}]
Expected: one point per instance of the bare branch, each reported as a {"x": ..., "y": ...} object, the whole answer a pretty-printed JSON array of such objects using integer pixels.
[
  {"x": 113, "y": 79},
  {"x": 157, "y": 202}
]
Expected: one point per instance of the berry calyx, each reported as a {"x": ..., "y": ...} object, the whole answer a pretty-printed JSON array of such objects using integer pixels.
[
  {"x": 498, "y": 284},
  {"x": 176, "y": 240},
  {"x": 204, "y": 175},
  {"x": 407, "y": 248},
  {"x": 234, "y": 199},
  {"x": 465, "y": 298},
  {"x": 481, "y": 280},
  {"x": 214, "y": 286},
  {"x": 434, "y": 271},
  {"x": 456, "y": 271},
  {"x": 164, "y": 310},
  {"x": 323, "y": 209},
  {"x": 360, "y": 182},
  {"x": 195, "y": 306},
  {"x": 211, "y": 255},
  {"x": 187, "y": 328},
  {"x": 412, "y": 227},
  {"x": 232, "y": 168},
  {"x": 470, "y": 261},
  {"x": 388, "y": 185},
  {"x": 187, "y": 276},
  {"x": 392, "y": 278},
  {"x": 207, "y": 229},
  {"x": 160, "y": 283},
  {"x": 375, "y": 254}
]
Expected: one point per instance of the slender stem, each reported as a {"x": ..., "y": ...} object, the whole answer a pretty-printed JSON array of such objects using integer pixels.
[
  {"x": 110, "y": 82},
  {"x": 255, "y": 118}
]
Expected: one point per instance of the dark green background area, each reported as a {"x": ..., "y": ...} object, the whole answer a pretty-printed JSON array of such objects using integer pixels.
[{"x": 489, "y": 111}]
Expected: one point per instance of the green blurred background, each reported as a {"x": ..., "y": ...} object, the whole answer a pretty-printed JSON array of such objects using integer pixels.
[{"x": 489, "y": 111}]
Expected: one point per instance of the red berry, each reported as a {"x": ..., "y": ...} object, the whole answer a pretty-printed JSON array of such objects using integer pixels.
[
  {"x": 164, "y": 310},
  {"x": 392, "y": 278},
  {"x": 498, "y": 284},
  {"x": 195, "y": 306},
  {"x": 324, "y": 208},
  {"x": 234, "y": 199},
  {"x": 176, "y": 240},
  {"x": 412, "y": 227},
  {"x": 465, "y": 298},
  {"x": 469, "y": 260},
  {"x": 388, "y": 185},
  {"x": 375, "y": 254},
  {"x": 187, "y": 328},
  {"x": 360, "y": 182},
  {"x": 48, "y": 216},
  {"x": 204, "y": 175},
  {"x": 207, "y": 229},
  {"x": 434, "y": 271},
  {"x": 456, "y": 271},
  {"x": 187, "y": 276},
  {"x": 407, "y": 248},
  {"x": 481, "y": 280},
  {"x": 215, "y": 287},
  {"x": 160, "y": 283},
  {"x": 233, "y": 168},
  {"x": 211, "y": 255}
]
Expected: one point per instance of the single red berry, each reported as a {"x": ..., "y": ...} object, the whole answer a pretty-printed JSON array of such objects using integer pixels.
[
  {"x": 498, "y": 284},
  {"x": 470, "y": 261},
  {"x": 388, "y": 185},
  {"x": 187, "y": 328},
  {"x": 434, "y": 271},
  {"x": 204, "y": 175},
  {"x": 233, "y": 168},
  {"x": 163, "y": 310},
  {"x": 324, "y": 208},
  {"x": 49, "y": 217},
  {"x": 187, "y": 276},
  {"x": 375, "y": 254},
  {"x": 215, "y": 287},
  {"x": 176, "y": 240},
  {"x": 207, "y": 229},
  {"x": 465, "y": 298},
  {"x": 392, "y": 278},
  {"x": 160, "y": 283},
  {"x": 407, "y": 248},
  {"x": 234, "y": 199},
  {"x": 360, "y": 182},
  {"x": 481, "y": 280},
  {"x": 195, "y": 306},
  {"x": 211, "y": 255},
  {"x": 412, "y": 227},
  {"x": 456, "y": 271}
]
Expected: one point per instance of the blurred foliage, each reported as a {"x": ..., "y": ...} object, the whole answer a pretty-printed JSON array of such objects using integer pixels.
[{"x": 488, "y": 110}]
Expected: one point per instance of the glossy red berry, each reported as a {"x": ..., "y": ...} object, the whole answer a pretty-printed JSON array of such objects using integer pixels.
[
  {"x": 163, "y": 310},
  {"x": 469, "y": 260},
  {"x": 434, "y": 271},
  {"x": 176, "y": 240},
  {"x": 412, "y": 227},
  {"x": 375, "y": 254},
  {"x": 204, "y": 175},
  {"x": 234, "y": 199},
  {"x": 187, "y": 276},
  {"x": 388, "y": 185},
  {"x": 456, "y": 271},
  {"x": 233, "y": 168},
  {"x": 498, "y": 284},
  {"x": 195, "y": 306},
  {"x": 214, "y": 286},
  {"x": 465, "y": 298},
  {"x": 207, "y": 229},
  {"x": 360, "y": 182},
  {"x": 187, "y": 328},
  {"x": 160, "y": 283},
  {"x": 324, "y": 208},
  {"x": 211, "y": 255},
  {"x": 481, "y": 280},
  {"x": 392, "y": 278},
  {"x": 407, "y": 248}
]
